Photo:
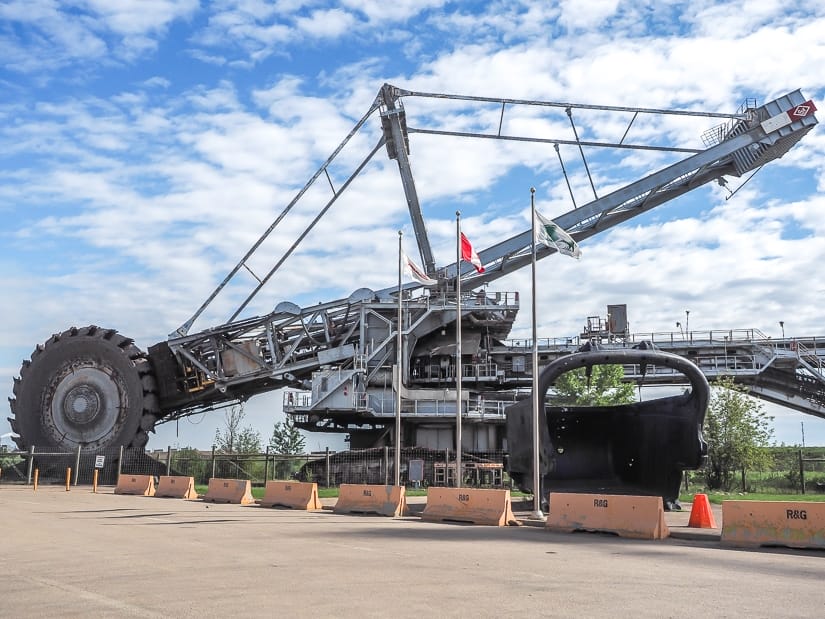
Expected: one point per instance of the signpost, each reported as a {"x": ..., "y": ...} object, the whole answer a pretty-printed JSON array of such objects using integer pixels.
[{"x": 99, "y": 461}]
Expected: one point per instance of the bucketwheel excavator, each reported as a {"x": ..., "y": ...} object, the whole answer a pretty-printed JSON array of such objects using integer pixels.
[{"x": 91, "y": 388}]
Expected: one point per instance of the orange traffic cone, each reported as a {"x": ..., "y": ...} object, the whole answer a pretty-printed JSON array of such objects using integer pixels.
[{"x": 701, "y": 515}]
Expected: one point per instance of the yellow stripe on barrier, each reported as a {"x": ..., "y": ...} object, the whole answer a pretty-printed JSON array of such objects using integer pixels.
[
  {"x": 291, "y": 494},
  {"x": 471, "y": 505},
  {"x": 143, "y": 485},
  {"x": 638, "y": 517},
  {"x": 773, "y": 523},
  {"x": 371, "y": 499},
  {"x": 176, "y": 487},
  {"x": 238, "y": 491}
]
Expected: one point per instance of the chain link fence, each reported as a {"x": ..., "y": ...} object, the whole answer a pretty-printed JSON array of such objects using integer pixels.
[
  {"x": 54, "y": 466},
  {"x": 419, "y": 467},
  {"x": 791, "y": 470}
]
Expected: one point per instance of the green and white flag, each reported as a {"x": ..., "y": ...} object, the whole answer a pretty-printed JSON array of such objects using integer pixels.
[{"x": 552, "y": 235}]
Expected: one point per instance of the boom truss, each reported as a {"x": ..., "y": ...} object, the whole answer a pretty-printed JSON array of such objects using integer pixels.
[{"x": 356, "y": 335}]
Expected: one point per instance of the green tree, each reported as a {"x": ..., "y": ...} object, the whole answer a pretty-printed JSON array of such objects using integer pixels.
[
  {"x": 604, "y": 387},
  {"x": 234, "y": 439},
  {"x": 286, "y": 438},
  {"x": 7, "y": 461},
  {"x": 737, "y": 431},
  {"x": 188, "y": 461}
]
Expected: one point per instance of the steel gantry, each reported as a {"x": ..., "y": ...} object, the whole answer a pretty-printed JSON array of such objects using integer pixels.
[{"x": 348, "y": 345}]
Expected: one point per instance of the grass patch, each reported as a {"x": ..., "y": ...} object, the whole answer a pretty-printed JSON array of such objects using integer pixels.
[
  {"x": 328, "y": 493},
  {"x": 257, "y": 492},
  {"x": 717, "y": 497}
]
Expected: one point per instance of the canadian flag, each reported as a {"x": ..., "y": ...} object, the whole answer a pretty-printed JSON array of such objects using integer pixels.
[{"x": 469, "y": 254}]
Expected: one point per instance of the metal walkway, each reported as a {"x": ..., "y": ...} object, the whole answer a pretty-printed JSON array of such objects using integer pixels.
[{"x": 787, "y": 371}]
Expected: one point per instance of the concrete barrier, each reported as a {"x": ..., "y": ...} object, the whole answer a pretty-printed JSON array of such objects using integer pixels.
[
  {"x": 471, "y": 505},
  {"x": 176, "y": 487},
  {"x": 238, "y": 491},
  {"x": 135, "y": 484},
  {"x": 773, "y": 523},
  {"x": 365, "y": 499},
  {"x": 638, "y": 517},
  {"x": 291, "y": 494}
]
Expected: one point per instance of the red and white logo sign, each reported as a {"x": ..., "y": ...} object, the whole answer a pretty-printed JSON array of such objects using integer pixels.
[{"x": 802, "y": 110}]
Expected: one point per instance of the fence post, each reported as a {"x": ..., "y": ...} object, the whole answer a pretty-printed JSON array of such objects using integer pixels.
[
  {"x": 326, "y": 465},
  {"x": 213, "y": 461},
  {"x": 120, "y": 463},
  {"x": 386, "y": 466},
  {"x": 266, "y": 466},
  {"x": 801, "y": 471},
  {"x": 77, "y": 465},
  {"x": 30, "y": 467},
  {"x": 168, "y": 459}
]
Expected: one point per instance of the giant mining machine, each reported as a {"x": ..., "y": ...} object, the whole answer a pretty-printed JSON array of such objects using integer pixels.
[{"x": 91, "y": 388}]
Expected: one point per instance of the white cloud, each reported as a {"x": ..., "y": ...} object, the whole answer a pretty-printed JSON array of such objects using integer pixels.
[
  {"x": 139, "y": 17},
  {"x": 250, "y": 32},
  {"x": 378, "y": 12},
  {"x": 50, "y": 35},
  {"x": 48, "y": 40},
  {"x": 251, "y": 26},
  {"x": 743, "y": 18},
  {"x": 576, "y": 15},
  {"x": 330, "y": 23}
]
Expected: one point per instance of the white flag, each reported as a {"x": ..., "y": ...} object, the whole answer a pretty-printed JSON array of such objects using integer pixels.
[
  {"x": 411, "y": 269},
  {"x": 552, "y": 235}
]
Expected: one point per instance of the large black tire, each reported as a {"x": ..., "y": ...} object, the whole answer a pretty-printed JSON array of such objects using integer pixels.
[{"x": 87, "y": 387}]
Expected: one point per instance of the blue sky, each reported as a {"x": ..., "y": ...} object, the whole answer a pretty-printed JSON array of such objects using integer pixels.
[{"x": 145, "y": 144}]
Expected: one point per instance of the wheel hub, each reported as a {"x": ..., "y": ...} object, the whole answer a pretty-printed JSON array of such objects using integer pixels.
[
  {"x": 86, "y": 405},
  {"x": 82, "y": 404}
]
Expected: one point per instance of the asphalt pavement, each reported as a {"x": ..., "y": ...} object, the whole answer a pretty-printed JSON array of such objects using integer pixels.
[{"x": 78, "y": 554}]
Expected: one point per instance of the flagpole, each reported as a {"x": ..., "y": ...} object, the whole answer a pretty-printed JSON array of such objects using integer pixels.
[
  {"x": 458, "y": 349},
  {"x": 398, "y": 363},
  {"x": 536, "y": 408}
]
